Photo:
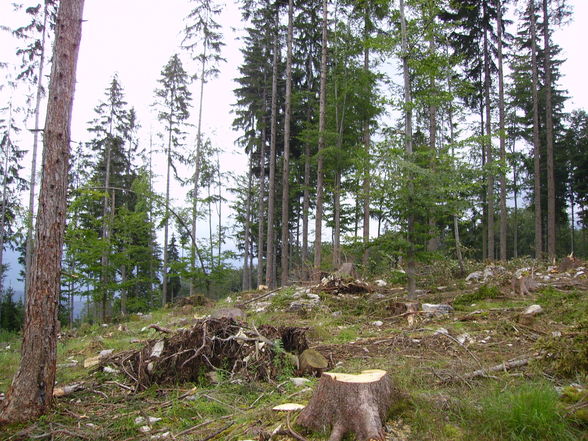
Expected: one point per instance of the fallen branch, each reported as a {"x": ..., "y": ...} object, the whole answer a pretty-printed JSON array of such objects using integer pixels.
[
  {"x": 160, "y": 328},
  {"x": 218, "y": 432},
  {"x": 263, "y": 296},
  {"x": 505, "y": 366}
]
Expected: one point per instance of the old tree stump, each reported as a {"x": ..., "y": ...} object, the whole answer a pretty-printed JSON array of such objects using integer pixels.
[{"x": 350, "y": 404}]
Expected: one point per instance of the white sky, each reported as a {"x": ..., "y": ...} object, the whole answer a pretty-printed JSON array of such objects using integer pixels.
[{"x": 136, "y": 38}]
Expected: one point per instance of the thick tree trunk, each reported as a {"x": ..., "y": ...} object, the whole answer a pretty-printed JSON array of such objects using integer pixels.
[
  {"x": 502, "y": 129},
  {"x": 286, "y": 159},
  {"x": 270, "y": 280},
  {"x": 536, "y": 142},
  {"x": 410, "y": 254},
  {"x": 551, "y": 251},
  {"x": 356, "y": 404},
  {"x": 32, "y": 387},
  {"x": 321, "y": 146}
]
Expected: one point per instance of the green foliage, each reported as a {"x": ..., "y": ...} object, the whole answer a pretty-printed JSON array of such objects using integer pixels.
[
  {"x": 482, "y": 293},
  {"x": 566, "y": 356},
  {"x": 11, "y": 313},
  {"x": 527, "y": 412}
]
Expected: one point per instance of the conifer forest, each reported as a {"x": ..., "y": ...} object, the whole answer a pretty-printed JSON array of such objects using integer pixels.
[{"x": 383, "y": 161}]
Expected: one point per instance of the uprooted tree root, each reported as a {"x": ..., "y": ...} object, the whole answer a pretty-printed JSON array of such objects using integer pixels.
[{"x": 224, "y": 344}]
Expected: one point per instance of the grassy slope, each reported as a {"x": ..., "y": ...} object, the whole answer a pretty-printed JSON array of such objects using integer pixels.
[{"x": 517, "y": 405}]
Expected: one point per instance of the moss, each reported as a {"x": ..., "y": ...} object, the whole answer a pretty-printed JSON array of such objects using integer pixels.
[{"x": 482, "y": 293}]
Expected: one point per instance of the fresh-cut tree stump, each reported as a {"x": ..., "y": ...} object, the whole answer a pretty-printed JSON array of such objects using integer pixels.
[{"x": 350, "y": 404}]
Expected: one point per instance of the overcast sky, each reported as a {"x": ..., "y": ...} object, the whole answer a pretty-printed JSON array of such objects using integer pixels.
[{"x": 136, "y": 38}]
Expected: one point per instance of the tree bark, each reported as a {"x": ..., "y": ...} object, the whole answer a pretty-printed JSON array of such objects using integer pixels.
[
  {"x": 261, "y": 204},
  {"x": 321, "y": 146},
  {"x": 32, "y": 387},
  {"x": 410, "y": 255},
  {"x": 366, "y": 146},
  {"x": 270, "y": 280},
  {"x": 502, "y": 137},
  {"x": 286, "y": 158},
  {"x": 347, "y": 403},
  {"x": 488, "y": 142},
  {"x": 551, "y": 251},
  {"x": 36, "y": 130},
  {"x": 536, "y": 142}
]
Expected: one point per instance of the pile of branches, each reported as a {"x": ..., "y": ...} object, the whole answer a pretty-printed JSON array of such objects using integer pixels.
[
  {"x": 334, "y": 284},
  {"x": 234, "y": 348}
]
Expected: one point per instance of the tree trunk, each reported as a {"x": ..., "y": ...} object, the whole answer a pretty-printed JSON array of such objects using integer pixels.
[
  {"x": 270, "y": 281},
  {"x": 261, "y": 218},
  {"x": 32, "y": 387},
  {"x": 551, "y": 251},
  {"x": 166, "y": 226},
  {"x": 536, "y": 142},
  {"x": 366, "y": 147},
  {"x": 197, "y": 176},
  {"x": 286, "y": 158},
  {"x": 488, "y": 142},
  {"x": 502, "y": 129},
  {"x": 410, "y": 255},
  {"x": 348, "y": 403},
  {"x": 321, "y": 146},
  {"x": 5, "y": 172},
  {"x": 246, "y": 281},
  {"x": 36, "y": 130},
  {"x": 337, "y": 221},
  {"x": 515, "y": 233}
]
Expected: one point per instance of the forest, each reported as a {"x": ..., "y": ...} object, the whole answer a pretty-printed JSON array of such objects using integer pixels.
[
  {"x": 389, "y": 148},
  {"x": 377, "y": 133}
]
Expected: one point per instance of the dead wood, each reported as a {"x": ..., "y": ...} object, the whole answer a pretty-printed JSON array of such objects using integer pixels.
[
  {"x": 255, "y": 299},
  {"x": 160, "y": 329},
  {"x": 524, "y": 285},
  {"x": 502, "y": 367},
  {"x": 211, "y": 344},
  {"x": 337, "y": 285},
  {"x": 346, "y": 403}
]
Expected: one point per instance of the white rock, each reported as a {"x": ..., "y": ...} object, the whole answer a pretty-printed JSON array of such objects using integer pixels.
[
  {"x": 381, "y": 283},
  {"x": 110, "y": 370},
  {"x": 533, "y": 310},
  {"x": 378, "y": 323},
  {"x": 145, "y": 429},
  {"x": 465, "y": 338},
  {"x": 441, "y": 331},
  {"x": 312, "y": 296},
  {"x": 337, "y": 314},
  {"x": 475, "y": 276},
  {"x": 556, "y": 334},
  {"x": 298, "y": 381},
  {"x": 164, "y": 435},
  {"x": 106, "y": 353},
  {"x": 441, "y": 309},
  {"x": 157, "y": 349}
]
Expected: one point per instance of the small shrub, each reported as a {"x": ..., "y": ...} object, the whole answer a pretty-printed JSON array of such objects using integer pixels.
[
  {"x": 482, "y": 293},
  {"x": 528, "y": 412}
]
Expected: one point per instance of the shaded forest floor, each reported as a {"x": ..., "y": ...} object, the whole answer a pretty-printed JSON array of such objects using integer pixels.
[{"x": 431, "y": 358}]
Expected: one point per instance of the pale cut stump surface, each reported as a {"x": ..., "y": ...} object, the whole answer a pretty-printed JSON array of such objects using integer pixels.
[{"x": 350, "y": 404}]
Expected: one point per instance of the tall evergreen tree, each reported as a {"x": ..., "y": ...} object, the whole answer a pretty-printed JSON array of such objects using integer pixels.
[
  {"x": 203, "y": 39},
  {"x": 173, "y": 104}
]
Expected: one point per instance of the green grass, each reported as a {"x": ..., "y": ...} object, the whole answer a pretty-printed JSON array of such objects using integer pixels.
[
  {"x": 526, "y": 412},
  {"x": 564, "y": 306},
  {"x": 482, "y": 293}
]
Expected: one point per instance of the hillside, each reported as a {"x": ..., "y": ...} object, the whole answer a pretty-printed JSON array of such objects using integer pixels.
[{"x": 443, "y": 360}]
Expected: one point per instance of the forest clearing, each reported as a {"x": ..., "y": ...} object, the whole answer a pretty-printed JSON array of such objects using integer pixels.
[
  {"x": 443, "y": 364},
  {"x": 391, "y": 246}
]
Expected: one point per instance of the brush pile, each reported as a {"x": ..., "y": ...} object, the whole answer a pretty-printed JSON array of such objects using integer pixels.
[{"x": 234, "y": 349}]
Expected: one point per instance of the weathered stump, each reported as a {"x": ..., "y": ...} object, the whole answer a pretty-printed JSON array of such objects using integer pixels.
[{"x": 350, "y": 404}]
